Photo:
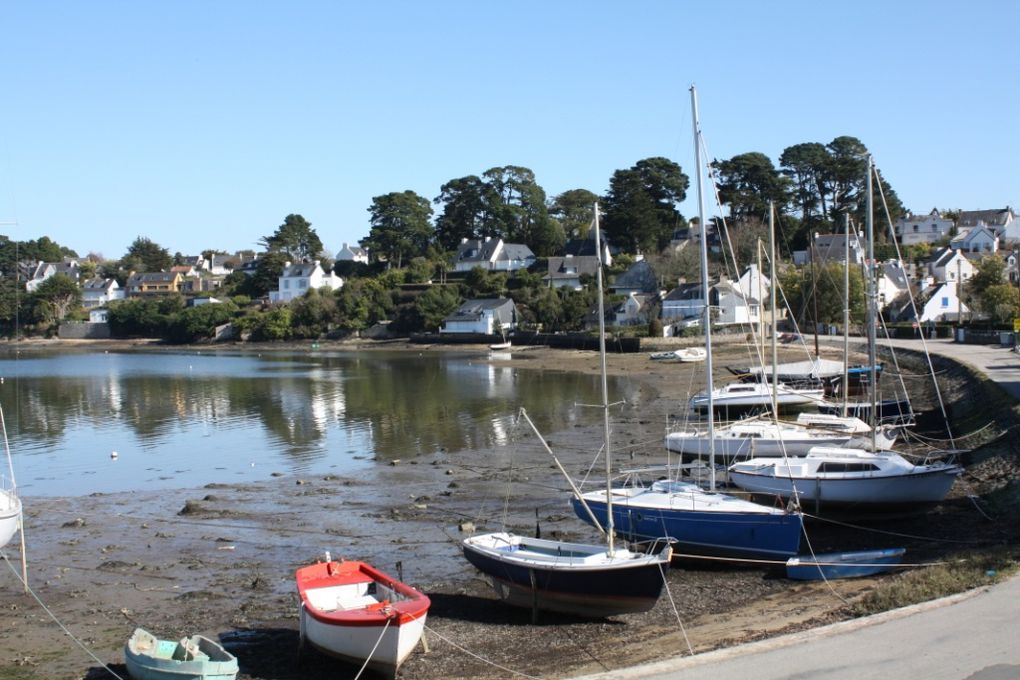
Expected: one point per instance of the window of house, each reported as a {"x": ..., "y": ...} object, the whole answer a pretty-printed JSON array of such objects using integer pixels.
[
  {"x": 945, "y": 302},
  {"x": 302, "y": 284},
  {"x": 286, "y": 283}
]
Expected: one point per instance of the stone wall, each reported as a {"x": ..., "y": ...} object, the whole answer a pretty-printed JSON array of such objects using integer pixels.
[{"x": 83, "y": 330}]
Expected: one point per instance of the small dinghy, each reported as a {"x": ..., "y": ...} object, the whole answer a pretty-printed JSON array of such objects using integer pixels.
[
  {"x": 355, "y": 612},
  {"x": 843, "y": 565},
  {"x": 196, "y": 657}
]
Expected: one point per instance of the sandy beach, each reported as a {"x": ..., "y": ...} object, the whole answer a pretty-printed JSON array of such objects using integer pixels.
[{"x": 220, "y": 559}]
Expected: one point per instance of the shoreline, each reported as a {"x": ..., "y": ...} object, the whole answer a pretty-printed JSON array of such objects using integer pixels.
[{"x": 219, "y": 559}]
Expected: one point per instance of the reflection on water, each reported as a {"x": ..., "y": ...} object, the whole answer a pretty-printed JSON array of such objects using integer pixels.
[{"x": 189, "y": 418}]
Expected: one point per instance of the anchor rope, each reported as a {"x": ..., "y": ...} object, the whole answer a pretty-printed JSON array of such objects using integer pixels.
[
  {"x": 374, "y": 647},
  {"x": 478, "y": 657},
  {"x": 57, "y": 621},
  {"x": 676, "y": 612}
]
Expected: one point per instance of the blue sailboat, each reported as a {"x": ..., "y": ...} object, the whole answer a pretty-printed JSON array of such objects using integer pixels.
[{"x": 698, "y": 521}]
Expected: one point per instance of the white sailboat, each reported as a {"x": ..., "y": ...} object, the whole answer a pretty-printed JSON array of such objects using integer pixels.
[
  {"x": 10, "y": 503},
  {"x": 851, "y": 476},
  {"x": 769, "y": 436},
  {"x": 573, "y": 578},
  {"x": 758, "y": 394},
  {"x": 700, "y": 521}
]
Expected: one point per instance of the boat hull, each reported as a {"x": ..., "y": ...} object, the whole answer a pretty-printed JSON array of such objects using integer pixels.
[
  {"x": 843, "y": 565},
  {"x": 566, "y": 586},
  {"x": 697, "y": 444},
  {"x": 922, "y": 487},
  {"x": 742, "y": 535},
  {"x": 353, "y": 611},
  {"x": 10, "y": 516},
  {"x": 147, "y": 658},
  {"x": 354, "y": 644}
]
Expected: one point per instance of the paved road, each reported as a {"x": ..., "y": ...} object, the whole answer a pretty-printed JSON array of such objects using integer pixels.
[{"x": 973, "y": 636}]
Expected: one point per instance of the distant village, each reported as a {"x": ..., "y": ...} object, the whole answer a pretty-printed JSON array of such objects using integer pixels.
[{"x": 947, "y": 251}]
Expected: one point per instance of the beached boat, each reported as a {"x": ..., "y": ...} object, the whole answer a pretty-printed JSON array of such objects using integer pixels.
[
  {"x": 682, "y": 355},
  {"x": 192, "y": 658},
  {"x": 501, "y": 346},
  {"x": 10, "y": 512},
  {"x": 568, "y": 578},
  {"x": 761, "y": 437},
  {"x": 847, "y": 476},
  {"x": 10, "y": 504},
  {"x": 581, "y": 579},
  {"x": 843, "y": 565},
  {"x": 757, "y": 395},
  {"x": 355, "y": 612}
]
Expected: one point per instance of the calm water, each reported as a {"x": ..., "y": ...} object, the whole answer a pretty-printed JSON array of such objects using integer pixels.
[{"x": 190, "y": 418}]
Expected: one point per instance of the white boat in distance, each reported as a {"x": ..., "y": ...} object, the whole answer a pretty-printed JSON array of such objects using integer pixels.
[
  {"x": 762, "y": 437},
  {"x": 847, "y": 476},
  {"x": 750, "y": 395},
  {"x": 683, "y": 355}
]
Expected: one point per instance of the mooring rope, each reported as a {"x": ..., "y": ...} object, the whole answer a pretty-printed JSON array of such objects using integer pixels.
[
  {"x": 676, "y": 612},
  {"x": 374, "y": 647},
  {"x": 57, "y": 621},
  {"x": 480, "y": 658}
]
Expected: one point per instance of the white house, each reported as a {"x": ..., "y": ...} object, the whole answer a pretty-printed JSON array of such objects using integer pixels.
[
  {"x": 298, "y": 279},
  {"x": 633, "y": 310},
  {"x": 1001, "y": 221},
  {"x": 488, "y": 317},
  {"x": 731, "y": 304},
  {"x": 492, "y": 255},
  {"x": 97, "y": 292},
  {"x": 734, "y": 307},
  {"x": 349, "y": 253},
  {"x": 683, "y": 302},
  {"x": 753, "y": 283},
  {"x": 44, "y": 270},
  {"x": 979, "y": 239},
  {"x": 566, "y": 272},
  {"x": 99, "y": 315},
  {"x": 912, "y": 229},
  {"x": 947, "y": 265},
  {"x": 830, "y": 248},
  {"x": 940, "y": 303},
  {"x": 891, "y": 281}
]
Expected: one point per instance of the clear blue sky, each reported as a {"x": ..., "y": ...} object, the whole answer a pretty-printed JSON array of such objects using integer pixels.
[{"x": 203, "y": 124}]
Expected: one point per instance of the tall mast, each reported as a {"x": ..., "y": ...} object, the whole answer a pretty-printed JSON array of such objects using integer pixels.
[
  {"x": 846, "y": 311},
  {"x": 772, "y": 307},
  {"x": 872, "y": 372},
  {"x": 605, "y": 387},
  {"x": 707, "y": 322}
]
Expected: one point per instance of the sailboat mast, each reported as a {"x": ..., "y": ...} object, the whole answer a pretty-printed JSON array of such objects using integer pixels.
[
  {"x": 704, "y": 289},
  {"x": 605, "y": 387},
  {"x": 772, "y": 307},
  {"x": 872, "y": 372},
  {"x": 846, "y": 311}
]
